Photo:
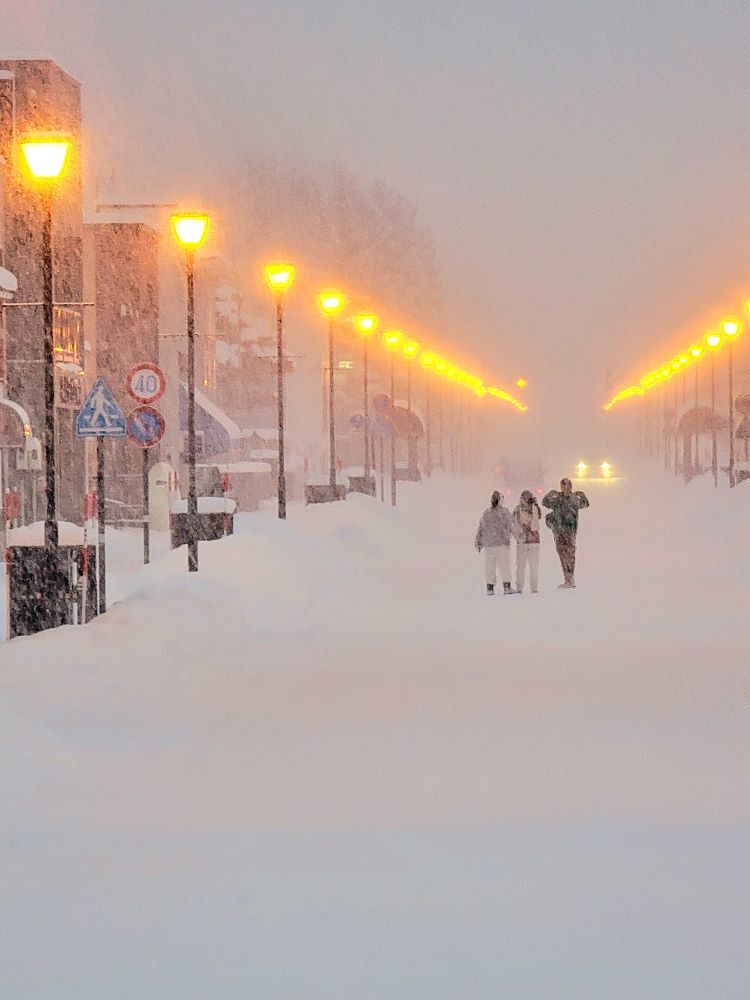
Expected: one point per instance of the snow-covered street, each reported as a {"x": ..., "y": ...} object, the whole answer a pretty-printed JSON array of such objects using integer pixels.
[{"x": 328, "y": 766}]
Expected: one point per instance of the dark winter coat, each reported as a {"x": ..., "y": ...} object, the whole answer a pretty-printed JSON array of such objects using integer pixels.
[
  {"x": 564, "y": 517},
  {"x": 494, "y": 528}
]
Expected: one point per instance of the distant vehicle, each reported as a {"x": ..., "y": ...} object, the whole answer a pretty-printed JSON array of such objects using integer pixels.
[
  {"x": 604, "y": 472},
  {"x": 518, "y": 473}
]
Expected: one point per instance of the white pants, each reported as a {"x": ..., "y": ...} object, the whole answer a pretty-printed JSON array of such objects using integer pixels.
[
  {"x": 527, "y": 554},
  {"x": 497, "y": 557}
]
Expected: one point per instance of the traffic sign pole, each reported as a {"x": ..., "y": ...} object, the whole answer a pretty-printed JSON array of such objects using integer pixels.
[
  {"x": 146, "y": 513},
  {"x": 101, "y": 556}
]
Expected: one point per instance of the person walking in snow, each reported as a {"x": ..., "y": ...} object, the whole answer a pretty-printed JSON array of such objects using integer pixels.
[
  {"x": 493, "y": 538},
  {"x": 564, "y": 506},
  {"x": 526, "y": 518}
]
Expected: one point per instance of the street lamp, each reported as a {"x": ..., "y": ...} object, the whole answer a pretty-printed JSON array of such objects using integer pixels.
[
  {"x": 392, "y": 340},
  {"x": 45, "y": 156},
  {"x": 731, "y": 329},
  {"x": 410, "y": 350},
  {"x": 428, "y": 359},
  {"x": 331, "y": 303},
  {"x": 191, "y": 230},
  {"x": 279, "y": 278},
  {"x": 367, "y": 324},
  {"x": 713, "y": 342}
]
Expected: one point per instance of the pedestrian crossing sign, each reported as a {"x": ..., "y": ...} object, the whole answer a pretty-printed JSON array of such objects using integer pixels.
[{"x": 100, "y": 415}]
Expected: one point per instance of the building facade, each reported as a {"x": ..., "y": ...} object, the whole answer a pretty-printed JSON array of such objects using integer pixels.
[{"x": 38, "y": 96}]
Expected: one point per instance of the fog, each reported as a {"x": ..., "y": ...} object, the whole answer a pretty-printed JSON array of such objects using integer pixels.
[{"x": 582, "y": 166}]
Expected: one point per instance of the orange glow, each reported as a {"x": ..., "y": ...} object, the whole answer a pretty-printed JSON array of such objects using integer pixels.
[
  {"x": 427, "y": 359},
  {"x": 366, "y": 323},
  {"x": 410, "y": 348},
  {"x": 331, "y": 302},
  {"x": 713, "y": 340},
  {"x": 506, "y": 397},
  {"x": 279, "y": 276},
  {"x": 45, "y": 154},
  {"x": 521, "y": 383},
  {"x": 191, "y": 229},
  {"x": 696, "y": 352},
  {"x": 731, "y": 328},
  {"x": 392, "y": 340}
]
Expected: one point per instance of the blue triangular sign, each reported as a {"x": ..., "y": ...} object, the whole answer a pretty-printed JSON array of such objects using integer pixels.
[{"x": 100, "y": 415}]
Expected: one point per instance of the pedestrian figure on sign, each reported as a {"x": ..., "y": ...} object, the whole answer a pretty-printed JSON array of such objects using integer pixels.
[
  {"x": 493, "y": 538},
  {"x": 526, "y": 517},
  {"x": 564, "y": 506}
]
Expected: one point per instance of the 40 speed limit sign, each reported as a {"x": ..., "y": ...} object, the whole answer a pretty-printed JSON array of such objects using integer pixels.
[{"x": 145, "y": 383}]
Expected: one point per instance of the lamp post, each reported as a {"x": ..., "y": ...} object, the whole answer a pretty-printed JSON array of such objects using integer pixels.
[
  {"x": 191, "y": 231},
  {"x": 279, "y": 278},
  {"x": 696, "y": 353},
  {"x": 331, "y": 304},
  {"x": 392, "y": 340},
  {"x": 731, "y": 330},
  {"x": 45, "y": 156},
  {"x": 713, "y": 342},
  {"x": 366, "y": 324},
  {"x": 410, "y": 350},
  {"x": 427, "y": 359}
]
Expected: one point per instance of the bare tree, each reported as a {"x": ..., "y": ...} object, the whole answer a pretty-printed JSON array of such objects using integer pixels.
[{"x": 366, "y": 236}]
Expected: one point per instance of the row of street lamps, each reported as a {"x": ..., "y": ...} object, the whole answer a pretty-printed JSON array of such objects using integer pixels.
[
  {"x": 713, "y": 341},
  {"x": 280, "y": 277}
]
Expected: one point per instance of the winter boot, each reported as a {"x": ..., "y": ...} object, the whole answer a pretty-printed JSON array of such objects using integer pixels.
[
  {"x": 490, "y": 589},
  {"x": 507, "y": 589}
]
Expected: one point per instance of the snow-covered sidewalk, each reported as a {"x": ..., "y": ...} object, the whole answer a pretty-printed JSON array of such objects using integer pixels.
[{"x": 328, "y": 766}]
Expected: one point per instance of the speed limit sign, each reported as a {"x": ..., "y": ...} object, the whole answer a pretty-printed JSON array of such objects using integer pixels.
[{"x": 145, "y": 383}]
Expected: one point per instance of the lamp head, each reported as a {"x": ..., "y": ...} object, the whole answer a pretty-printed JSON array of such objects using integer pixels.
[
  {"x": 279, "y": 277},
  {"x": 392, "y": 340},
  {"x": 713, "y": 340},
  {"x": 331, "y": 303},
  {"x": 731, "y": 328},
  {"x": 190, "y": 229},
  {"x": 45, "y": 154},
  {"x": 366, "y": 323},
  {"x": 521, "y": 383},
  {"x": 410, "y": 349}
]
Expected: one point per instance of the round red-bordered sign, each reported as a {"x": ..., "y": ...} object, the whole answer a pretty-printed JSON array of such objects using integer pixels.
[
  {"x": 145, "y": 426},
  {"x": 145, "y": 383}
]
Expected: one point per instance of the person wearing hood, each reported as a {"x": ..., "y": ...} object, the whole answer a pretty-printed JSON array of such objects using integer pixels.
[
  {"x": 564, "y": 506},
  {"x": 526, "y": 518},
  {"x": 493, "y": 538}
]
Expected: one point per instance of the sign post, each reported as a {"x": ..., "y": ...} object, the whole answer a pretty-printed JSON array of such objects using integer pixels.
[
  {"x": 145, "y": 427},
  {"x": 100, "y": 417}
]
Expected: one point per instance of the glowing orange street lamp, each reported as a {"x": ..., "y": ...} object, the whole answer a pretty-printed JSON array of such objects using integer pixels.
[
  {"x": 190, "y": 231},
  {"x": 331, "y": 303},
  {"x": 427, "y": 360},
  {"x": 45, "y": 156},
  {"x": 366, "y": 324},
  {"x": 713, "y": 342},
  {"x": 410, "y": 350},
  {"x": 392, "y": 341},
  {"x": 279, "y": 278},
  {"x": 521, "y": 383},
  {"x": 731, "y": 329}
]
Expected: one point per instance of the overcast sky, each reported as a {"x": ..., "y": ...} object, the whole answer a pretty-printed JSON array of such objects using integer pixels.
[{"x": 583, "y": 165}]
